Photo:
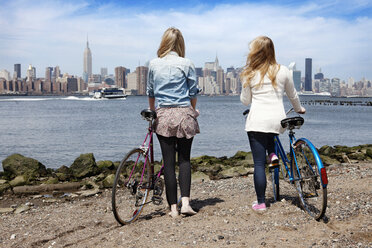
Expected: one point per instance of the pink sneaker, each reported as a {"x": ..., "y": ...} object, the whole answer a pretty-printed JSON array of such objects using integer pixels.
[
  {"x": 258, "y": 207},
  {"x": 273, "y": 160}
]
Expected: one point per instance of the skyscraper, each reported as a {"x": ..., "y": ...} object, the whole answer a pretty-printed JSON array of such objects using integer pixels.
[
  {"x": 141, "y": 72},
  {"x": 17, "y": 70},
  {"x": 48, "y": 74},
  {"x": 103, "y": 72},
  {"x": 296, "y": 76},
  {"x": 87, "y": 73},
  {"x": 120, "y": 77},
  {"x": 308, "y": 74}
]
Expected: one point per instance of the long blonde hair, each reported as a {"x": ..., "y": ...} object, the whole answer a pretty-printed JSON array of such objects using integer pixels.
[
  {"x": 260, "y": 58},
  {"x": 172, "y": 40}
]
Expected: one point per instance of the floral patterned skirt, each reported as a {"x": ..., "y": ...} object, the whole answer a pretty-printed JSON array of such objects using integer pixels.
[{"x": 177, "y": 121}]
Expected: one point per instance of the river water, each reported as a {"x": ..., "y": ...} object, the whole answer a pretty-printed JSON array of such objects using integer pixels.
[{"x": 56, "y": 130}]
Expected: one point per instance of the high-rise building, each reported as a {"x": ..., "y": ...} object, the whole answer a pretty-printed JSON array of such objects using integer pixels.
[
  {"x": 17, "y": 70},
  {"x": 5, "y": 74},
  {"x": 296, "y": 75},
  {"x": 120, "y": 77},
  {"x": 48, "y": 73},
  {"x": 56, "y": 72},
  {"x": 31, "y": 73},
  {"x": 103, "y": 72},
  {"x": 308, "y": 74},
  {"x": 319, "y": 75},
  {"x": 141, "y": 72},
  {"x": 87, "y": 73}
]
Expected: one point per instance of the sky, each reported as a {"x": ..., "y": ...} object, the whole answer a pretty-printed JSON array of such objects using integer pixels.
[{"x": 336, "y": 34}]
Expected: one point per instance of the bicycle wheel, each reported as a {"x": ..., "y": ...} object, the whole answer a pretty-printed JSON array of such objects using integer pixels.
[
  {"x": 131, "y": 186},
  {"x": 275, "y": 182},
  {"x": 310, "y": 179}
]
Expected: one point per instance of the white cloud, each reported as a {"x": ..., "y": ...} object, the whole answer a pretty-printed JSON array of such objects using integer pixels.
[{"x": 54, "y": 33}]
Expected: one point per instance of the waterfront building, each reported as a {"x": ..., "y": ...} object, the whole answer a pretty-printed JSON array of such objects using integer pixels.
[
  {"x": 296, "y": 76},
  {"x": 56, "y": 73},
  {"x": 308, "y": 74},
  {"x": 131, "y": 84},
  {"x": 31, "y": 73},
  {"x": 17, "y": 71},
  {"x": 220, "y": 79},
  {"x": 319, "y": 75},
  {"x": 120, "y": 77},
  {"x": 5, "y": 75},
  {"x": 48, "y": 74},
  {"x": 87, "y": 72},
  {"x": 335, "y": 87},
  {"x": 103, "y": 72},
  {"x": 141, "y": 72}
]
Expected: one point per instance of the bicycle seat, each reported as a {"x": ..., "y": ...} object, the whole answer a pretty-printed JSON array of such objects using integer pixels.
[
  {"x": 292, "y": 122},
  {"x": 148, "y": 114}
]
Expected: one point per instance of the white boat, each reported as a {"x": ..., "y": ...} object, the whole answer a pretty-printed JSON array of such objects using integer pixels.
[{"x": 109, "y": 93}]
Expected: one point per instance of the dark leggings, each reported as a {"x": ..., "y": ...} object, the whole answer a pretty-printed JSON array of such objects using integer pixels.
[
  {"x": 169, "y": 147},
  {"x": 260, "y": 143}
]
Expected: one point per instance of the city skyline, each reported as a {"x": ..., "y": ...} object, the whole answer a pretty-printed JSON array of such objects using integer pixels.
[{"x": 126, "y": 34}]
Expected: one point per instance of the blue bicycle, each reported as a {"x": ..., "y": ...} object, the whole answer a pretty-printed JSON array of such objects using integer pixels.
[{"x": 301, "y": 167}]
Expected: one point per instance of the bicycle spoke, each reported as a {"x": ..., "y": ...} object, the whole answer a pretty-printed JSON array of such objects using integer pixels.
[
  {"x": 131, "y": 187},
  {"x": 312, "y": 194}
]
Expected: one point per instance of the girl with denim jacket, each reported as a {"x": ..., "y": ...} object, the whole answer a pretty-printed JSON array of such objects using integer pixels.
[
  {"x": 172, "y": 84},
  {"x": 264, "y": 84}
]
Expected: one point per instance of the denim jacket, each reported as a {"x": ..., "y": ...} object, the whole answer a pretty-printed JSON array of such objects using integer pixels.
[{"x": 172, "y": 81}]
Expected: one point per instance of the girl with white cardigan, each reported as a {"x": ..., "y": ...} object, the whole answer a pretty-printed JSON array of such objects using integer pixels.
[{"x": 264, "y": 83}]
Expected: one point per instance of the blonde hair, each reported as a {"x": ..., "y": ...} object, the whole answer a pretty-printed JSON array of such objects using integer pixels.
[
  {"x": 172, "y": 40},
  {"x": 260, "y": 58}
]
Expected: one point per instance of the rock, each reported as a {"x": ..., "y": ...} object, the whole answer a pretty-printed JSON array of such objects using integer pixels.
[
  {"x": 235, "y": 172},
  {"x": 2, "y": 181},
  {"x": 199, "y": 177},
  {"x": 6, "y": 210},
  {"x": 106, "y": 164},
  {"x": 4, "y": 187},
  {"x": 84, "y": 166},
  {"x": 16, "y": 165},
  {"x": 87, "y": 193},
  {"x": 357, "y": 156},
  {"x": 52, "y": 180},
  {"x": 18, "y": 181},
  {"x": 328, "y": 160},
  {"x": 326, "y": 150},
  {"x": 369, "y": 152},
  {"x": 63, "y": 173},
  {"x": 108, "y": 181},
  {"x": 21, "y": 209}
]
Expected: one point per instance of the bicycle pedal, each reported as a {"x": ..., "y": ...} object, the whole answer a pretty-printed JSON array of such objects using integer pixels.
[{"x": 157, "y": 200}]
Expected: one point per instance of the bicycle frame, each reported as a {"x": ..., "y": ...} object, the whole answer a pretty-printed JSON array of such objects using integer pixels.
[{"x": 148, "y": 148}]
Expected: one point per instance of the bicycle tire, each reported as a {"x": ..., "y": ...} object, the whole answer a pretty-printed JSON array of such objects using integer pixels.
[
  {"x": 130, "y": 189},
  {"x": 310, "y": 179},
  {"x": 275, "y": 183}
]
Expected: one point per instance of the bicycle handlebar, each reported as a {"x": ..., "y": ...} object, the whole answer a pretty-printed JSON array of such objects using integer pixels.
[{"x": 287, "y": 113}]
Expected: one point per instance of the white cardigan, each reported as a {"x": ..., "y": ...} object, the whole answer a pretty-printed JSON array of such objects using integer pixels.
[{"x": 267, "y": 109}]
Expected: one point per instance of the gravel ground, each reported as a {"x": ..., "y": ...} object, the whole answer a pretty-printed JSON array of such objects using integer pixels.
[{"x": 224, "y": 218}]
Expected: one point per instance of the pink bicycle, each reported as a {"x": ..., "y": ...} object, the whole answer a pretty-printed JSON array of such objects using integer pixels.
[{"x": 135, "y": 179}]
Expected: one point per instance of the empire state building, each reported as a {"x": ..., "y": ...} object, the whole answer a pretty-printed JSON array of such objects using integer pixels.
[{"x": 87, "y": 63}]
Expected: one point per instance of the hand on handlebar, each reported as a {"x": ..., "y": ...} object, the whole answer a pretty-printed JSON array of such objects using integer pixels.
[{"x": 302, "y": 111}]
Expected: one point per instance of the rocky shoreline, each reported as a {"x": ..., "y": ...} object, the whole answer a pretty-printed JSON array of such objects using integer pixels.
[
  {"x": 64, "y": 217},
  {"x": 86, "y": 177}
]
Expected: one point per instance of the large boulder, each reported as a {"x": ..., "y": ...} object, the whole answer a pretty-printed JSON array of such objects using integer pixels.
[
  {"x": 108, "y": 181},
  {"x": 105, "y": 164},
  {"x": 17, "y": 164},
  {"x": 63, "y": 173},
  {"x": 84, "y": 166}
]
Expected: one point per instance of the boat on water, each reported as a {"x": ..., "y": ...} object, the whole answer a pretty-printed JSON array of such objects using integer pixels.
[{"x": 109, "y": 93}]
